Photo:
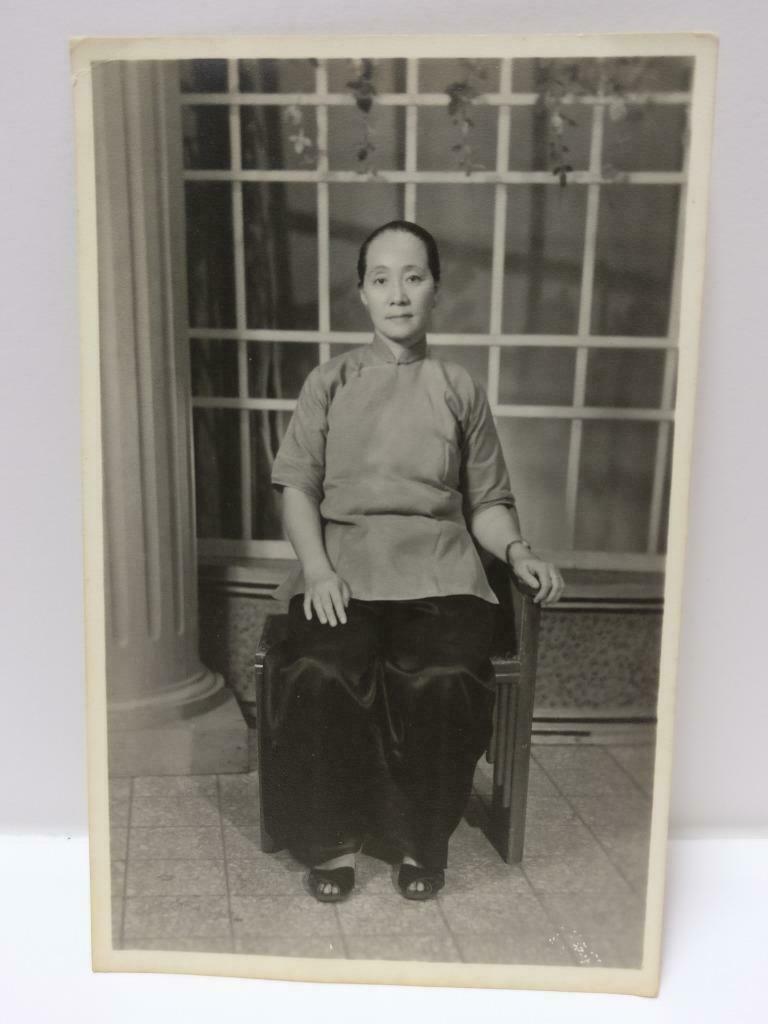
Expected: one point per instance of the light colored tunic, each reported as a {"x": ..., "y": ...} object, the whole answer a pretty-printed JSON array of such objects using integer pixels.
[{"x": 398, "y": 452}]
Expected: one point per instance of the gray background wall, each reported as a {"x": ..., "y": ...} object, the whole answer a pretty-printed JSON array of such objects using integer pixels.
[{"x": 720, "y": 764}]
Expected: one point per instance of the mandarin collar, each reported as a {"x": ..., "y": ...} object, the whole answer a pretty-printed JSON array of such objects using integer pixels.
[{"x": 383, "y": 352}]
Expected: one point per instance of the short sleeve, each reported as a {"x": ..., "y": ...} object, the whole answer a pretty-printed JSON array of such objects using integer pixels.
[
  {"x": 300, "y": 460},
  {"x": 484, "y": 476}
]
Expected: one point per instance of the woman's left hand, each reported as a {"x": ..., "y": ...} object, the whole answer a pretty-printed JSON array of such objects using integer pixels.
[{"x": 539, "y": 574}]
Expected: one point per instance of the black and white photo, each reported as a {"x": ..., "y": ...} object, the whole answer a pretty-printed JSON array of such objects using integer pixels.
[{"x": 388, "y": 364}]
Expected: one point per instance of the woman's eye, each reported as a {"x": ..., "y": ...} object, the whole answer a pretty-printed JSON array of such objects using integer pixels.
[{"x": 414, "y": 277}]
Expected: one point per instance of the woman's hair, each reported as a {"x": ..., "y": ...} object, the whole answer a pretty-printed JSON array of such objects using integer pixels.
[{"x": 433, "y": 256}]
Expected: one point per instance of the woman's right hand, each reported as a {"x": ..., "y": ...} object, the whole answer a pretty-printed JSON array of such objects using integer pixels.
[{"x": 328, "y": 594}]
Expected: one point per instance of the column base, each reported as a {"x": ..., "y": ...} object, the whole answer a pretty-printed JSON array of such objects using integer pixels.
[
  {"x": 186, "y": 699},
  {"x": 210, "y": 743}
]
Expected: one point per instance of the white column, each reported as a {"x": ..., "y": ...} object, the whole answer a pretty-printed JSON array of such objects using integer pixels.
[{"x": 154, "y": 673}]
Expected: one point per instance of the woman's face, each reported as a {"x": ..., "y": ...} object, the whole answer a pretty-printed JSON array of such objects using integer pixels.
[{"x": 398, "y": 291}]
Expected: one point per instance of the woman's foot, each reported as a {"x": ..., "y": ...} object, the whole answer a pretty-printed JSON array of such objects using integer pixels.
[
  {"x": 334, "y": 879},
  {"x": 417, "y": 882}
]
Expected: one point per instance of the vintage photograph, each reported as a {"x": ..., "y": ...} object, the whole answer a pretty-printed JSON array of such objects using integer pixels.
[{"x": 389, "y": 354}]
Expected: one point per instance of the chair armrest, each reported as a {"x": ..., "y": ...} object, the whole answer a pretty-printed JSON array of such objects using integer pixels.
[
  {"x": 274, "y": 630},
  {"x": 525, "y": 590},
  {"x": 517, "y": 610},
  {"x": 527, "y": 619}
]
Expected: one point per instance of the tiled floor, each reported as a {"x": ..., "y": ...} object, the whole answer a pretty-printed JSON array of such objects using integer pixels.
[{"x": 188, "y": 874}]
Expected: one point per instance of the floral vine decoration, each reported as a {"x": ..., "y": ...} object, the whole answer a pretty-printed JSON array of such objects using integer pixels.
[
  {"x": 363, "y": 89},
  {"x": 613, "y": 81},
  {"x": 461, "y": 97},
  {"x": 556, "y": 92},
  {"x": 303, "y": 146}
]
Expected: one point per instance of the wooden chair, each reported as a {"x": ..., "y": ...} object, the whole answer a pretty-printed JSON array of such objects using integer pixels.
[{"x": 514, "y": 660}]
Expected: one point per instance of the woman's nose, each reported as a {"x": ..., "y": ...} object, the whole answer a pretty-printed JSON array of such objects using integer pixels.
[{"x": 398, "y": 293}]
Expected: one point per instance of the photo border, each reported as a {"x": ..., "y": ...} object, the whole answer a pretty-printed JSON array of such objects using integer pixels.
[{"x": 84, "y": 53}]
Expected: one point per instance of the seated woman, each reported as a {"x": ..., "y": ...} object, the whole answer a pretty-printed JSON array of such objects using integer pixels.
[{"x": 380, "y": 702}]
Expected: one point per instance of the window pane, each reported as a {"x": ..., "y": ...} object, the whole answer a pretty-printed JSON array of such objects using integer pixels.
[
  {"x": 625, "y": 378},
  {"x": 473, "y": 358},
  {"x": 644, "y": 138},
  {"x": 279, "y": 138},
  {"x": 634, "y": 259},
  {"x": 214, "y": 367},
  {"x": 529, "y": 138},
  {"x": 388, "y": 74},
  {"x": 438, "y": 135},
  {"x": 536, "y": 452},
  {"x": 203, "y": 75},
  {"x": 461, "y": 219},
  {"x": 265, "y": 502},
  {"x": 280, "y": 240},
  {"x": 347, "y": 140},
  {"x": 436, "y": 75},
  {"x": 355, "y": 211},
  {"x": 544, "y": 250},
  {"x": 217, "y": 472},
  {"x": 210, "y": 270},
  {"x": 278, "y": 370},
  {"x": 615, "y": 483},
  {"x": 206, "y": 138},
  {"x": 536, "y": 376},
  {"x": 273, "y": 75}
]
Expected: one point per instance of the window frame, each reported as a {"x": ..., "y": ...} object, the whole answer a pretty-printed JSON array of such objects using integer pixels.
[{"x": 495, "y": 339}]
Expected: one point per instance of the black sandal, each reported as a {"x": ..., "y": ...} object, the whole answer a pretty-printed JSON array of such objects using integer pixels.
[
  {"x": 342, "y": 878},
  {"x": 433, "y": 879}
]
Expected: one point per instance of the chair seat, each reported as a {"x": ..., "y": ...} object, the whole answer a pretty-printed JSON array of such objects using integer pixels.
[{"x": 276, "y": 629}]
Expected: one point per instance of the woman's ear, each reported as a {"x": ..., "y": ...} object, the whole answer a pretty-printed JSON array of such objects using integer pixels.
[{"x": 363, "y": 297}]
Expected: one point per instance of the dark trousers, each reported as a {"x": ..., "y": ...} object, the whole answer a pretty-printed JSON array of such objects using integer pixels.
[{"x": 374, "y": 727}]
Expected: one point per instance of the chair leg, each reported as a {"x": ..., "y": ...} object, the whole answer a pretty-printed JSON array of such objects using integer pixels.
[
  {"x": 490, "y": 753},
  {"x": 511, "y": 769},
  {"x": 499, "y": 813},
  {"x": 515, "y": 726},
  {"x": 497, "y": 741},
  {"x": 516, "y": 775},
  {"x": 268, "y": 842}
]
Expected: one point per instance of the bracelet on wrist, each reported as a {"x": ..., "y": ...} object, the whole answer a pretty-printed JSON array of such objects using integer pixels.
[{"x": 520, "y": 540}]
